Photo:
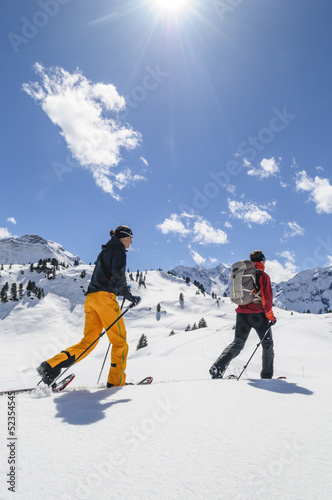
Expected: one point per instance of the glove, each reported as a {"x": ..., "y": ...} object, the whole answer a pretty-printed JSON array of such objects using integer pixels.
[
  {"x": 135, "y": 300},
  {"x": 273, "y": 322}
]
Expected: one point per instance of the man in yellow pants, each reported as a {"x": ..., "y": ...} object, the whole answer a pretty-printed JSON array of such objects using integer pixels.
[{"x": 101, "y": 310}]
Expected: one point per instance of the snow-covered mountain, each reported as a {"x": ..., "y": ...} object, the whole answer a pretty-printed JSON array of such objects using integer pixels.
[
  {"x": 30, "y": 248},
  {"x": 308, "y": 290},
  {"x": 214, "y": 280}
]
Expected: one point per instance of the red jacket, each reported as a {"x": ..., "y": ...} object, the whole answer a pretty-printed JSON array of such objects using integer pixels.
[{"x": 265, "y": 290}]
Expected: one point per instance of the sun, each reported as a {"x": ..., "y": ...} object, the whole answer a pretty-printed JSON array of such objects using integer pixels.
[{"x": 173, "y": 6}]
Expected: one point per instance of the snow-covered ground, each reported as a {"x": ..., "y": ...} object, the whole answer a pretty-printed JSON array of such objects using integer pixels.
[{"x": 183, "y": 437}]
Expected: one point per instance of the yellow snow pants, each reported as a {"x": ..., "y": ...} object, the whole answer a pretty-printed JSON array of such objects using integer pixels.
[{"x": 101, "y": 310}]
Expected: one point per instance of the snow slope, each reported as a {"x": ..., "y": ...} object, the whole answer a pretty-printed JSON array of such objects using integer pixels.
[
  {"x": 310, "y": 289},
  {"x": 215, "y": 280},
  {"x": 31, "y": 248},
  {"x": 185, "y": 436}
]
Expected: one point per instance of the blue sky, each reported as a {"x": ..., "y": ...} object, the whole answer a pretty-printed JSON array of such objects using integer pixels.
[{"x": 203, "y": 125}]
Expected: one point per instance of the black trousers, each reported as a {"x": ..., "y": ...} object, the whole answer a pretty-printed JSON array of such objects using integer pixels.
[{"x": 244, "y": 323}]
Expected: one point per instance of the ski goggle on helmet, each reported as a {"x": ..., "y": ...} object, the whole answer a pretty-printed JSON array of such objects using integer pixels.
[{"x": 123, "y": 232}]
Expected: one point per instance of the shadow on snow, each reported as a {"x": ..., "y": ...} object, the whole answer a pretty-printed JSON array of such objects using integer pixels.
[
  {"x": 83, "y": 407},
  {"x": 280, "y": 386}
]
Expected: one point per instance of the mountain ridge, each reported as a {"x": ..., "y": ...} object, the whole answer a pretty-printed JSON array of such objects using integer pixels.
[
  {"x": 30, "y": 248},
  {"x": 307, "y": 291}
]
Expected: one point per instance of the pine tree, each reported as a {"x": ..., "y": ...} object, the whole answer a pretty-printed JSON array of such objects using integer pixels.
[
  {"x": 13, "y": 292},
  {"x": 143, "y": 342},
  {"x": 172, "y": 333},
  {"x": 3, "y": 295},
  {"x": 188, "y": 328},
  {"x": 158, "y": 307},
  {"x": 20, "y": 291},
  {"x": 181, "y": 297},
  {"x": 202, "y": 323},
  {"x": 31, "y": 286},
  {"x": 194, "y": 327},
  {"x": 141, "y": 281}
]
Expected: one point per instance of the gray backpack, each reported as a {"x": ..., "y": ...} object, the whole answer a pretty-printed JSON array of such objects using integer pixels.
[{"x": 244, "y": 289}]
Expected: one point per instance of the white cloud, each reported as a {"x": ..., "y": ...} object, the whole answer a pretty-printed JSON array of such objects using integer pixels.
[
  {"x": 173, "y": 225},
  {"x": 228, "y": 224},
  {"x": 4, "y": 233},
  {"x": 197, "y": 258},
  {"x": 12, "y": 220},
  {"x": 294, "y": 164},
  {"x": 281, "y": 271},
  {"x": 144, "y": 161},
  {"x": 198, "y": 229},
  {"x": 231, "y": 189},
  {"x": 249, "y": 212},
  {"x": 293, "y": 229},
  {"x": 287, "y": 255},
  {"x": 86, "y": 114},
  {"x": 320, "y": 191},
  {"x": 246, "y": 163},
  {"x": 268, "y": 167},
  {"x": 205, "y": 234},
  {"x": 122, "y": 179}
]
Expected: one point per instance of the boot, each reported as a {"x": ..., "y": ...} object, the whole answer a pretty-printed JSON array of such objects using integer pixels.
[{"x": 47, "y": 373}]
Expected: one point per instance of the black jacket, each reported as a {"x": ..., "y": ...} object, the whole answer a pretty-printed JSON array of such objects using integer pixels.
[{"x": 109, "y": 274}]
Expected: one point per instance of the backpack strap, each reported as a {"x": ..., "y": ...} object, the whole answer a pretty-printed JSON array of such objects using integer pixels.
[{"x": 257, "y": 284}]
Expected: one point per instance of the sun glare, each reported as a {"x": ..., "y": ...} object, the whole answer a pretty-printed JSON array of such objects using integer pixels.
[{"x": 171, "y": 5}]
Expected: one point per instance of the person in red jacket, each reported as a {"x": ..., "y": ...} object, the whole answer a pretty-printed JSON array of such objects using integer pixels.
[{"x": 258, "y": 315}]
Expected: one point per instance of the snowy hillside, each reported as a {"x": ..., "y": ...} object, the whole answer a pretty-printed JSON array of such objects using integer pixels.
[
  {"x": 185, "y": 436},
  {"x": 31, "y": 248},
  {"x": 309, "y": 290},
  {"x": 213, "y": 280}
]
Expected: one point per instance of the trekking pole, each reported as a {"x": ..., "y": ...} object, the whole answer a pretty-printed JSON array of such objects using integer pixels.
[
  {"x": 257, "y": 346},
  {"x": 109, "y": 345},
  {"x": 103, "y": 333}
]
